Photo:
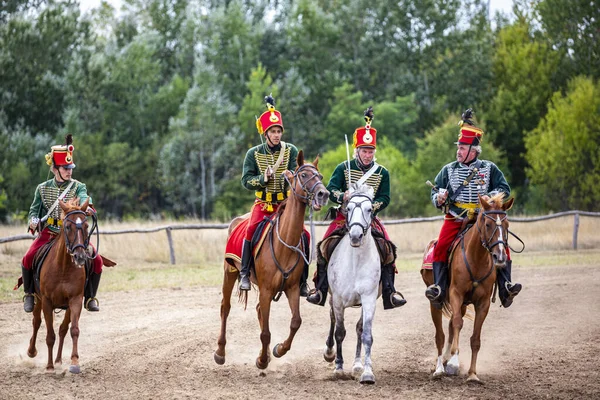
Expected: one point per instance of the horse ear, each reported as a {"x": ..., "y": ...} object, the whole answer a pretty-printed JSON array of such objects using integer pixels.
[
  {"x": 316, "y": 162},
  {"x": 484, "y": 203},
  {"x": 63, "y": 205},
  {"x": 288, "y": 175},
  {"x": 508, "y": 205},
  {"x": 85, "y": 205},
  {"x": 300, "y": 158}
]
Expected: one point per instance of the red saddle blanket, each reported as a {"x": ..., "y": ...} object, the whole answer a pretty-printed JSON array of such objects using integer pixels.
[
  {"x": 428, "y": 256},
  {"x": 233, "y": 249}
]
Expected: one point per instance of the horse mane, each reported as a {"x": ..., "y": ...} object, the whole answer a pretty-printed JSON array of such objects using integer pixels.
[{"x": 496, "y": 200}]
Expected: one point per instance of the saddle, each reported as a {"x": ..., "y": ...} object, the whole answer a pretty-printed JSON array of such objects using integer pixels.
[{"x": 387, "y": 250}]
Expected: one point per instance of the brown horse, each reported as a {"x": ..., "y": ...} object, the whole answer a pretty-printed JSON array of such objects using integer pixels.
[
  {"x": 473, "y": 265},
  {"x": 62, "y": 281},
  {"x": 279, "y": 263}
]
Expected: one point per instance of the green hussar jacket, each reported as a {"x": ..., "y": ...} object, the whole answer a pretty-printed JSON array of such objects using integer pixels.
[
  {"x": 379, "y": 181},
  {"x": 46, "y": 194},
  {"x": 488, "y": 180},
  {"x": 257, "y": 160}
]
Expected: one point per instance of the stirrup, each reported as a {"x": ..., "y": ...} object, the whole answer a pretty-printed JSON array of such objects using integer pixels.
[
  {"x": 312, "y": 296},
  {"x": 396, "y": 302},
  {"x": 512, "y": 289},
  {"x": 92, "y": 306},
  {"x": 431, "y": 296}
]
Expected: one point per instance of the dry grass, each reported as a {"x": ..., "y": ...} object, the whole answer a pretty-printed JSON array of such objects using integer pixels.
[{"x": 143, "y": 259}]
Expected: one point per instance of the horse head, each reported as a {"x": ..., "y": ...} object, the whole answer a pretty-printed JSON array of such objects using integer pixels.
[
  {"x": 306, "y": 183},
  {"x": 492, "y": 224},
  {"x": 75, "y": 230},
  {"x": 359, "y": 209}
]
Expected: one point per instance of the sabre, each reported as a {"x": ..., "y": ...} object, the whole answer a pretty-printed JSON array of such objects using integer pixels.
[{"x": 348, "y": 156}]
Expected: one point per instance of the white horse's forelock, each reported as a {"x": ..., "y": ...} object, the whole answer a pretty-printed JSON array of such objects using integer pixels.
[{"x": 363, "y": 190}]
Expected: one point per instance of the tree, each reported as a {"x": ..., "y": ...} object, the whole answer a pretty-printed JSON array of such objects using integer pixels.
[
  {"x": 523, "y": 68},
  {"x": 564, "y": 149}
]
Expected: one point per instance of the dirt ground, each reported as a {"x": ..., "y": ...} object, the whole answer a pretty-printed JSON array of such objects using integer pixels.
[{"x": 159, "y": 345}]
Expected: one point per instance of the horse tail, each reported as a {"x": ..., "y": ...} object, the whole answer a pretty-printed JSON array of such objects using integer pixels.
[
  {"x": 469, "y": 313},
  {"x": 243, "y": 298}
]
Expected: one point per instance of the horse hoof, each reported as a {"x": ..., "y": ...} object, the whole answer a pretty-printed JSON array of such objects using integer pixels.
[
  {"x": 32, "y": 355},
  {"x": 329, "y": 354},
  {"x": 49, "y": 370},
  {"x": 219, "y": 359},
  {"x": 367, "y": 378},
  {"x": 74, "y": 369},
  {"x": 474, "y": 379},
  {"x": 452, "y": 369},
  {"x": 275, "y": 352},
  {"x": 439, "y": 374},
  {"x": 357, "y": 369},
  {"x": 260, "y": 365}
]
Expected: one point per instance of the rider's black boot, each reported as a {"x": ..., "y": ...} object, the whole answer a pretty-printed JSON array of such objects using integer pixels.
[
  {"x": 436, "y": 293},
  {"x": 28, "y": 299},
  {"x": 506, "y": 289},
  {"x": 91, "y": 302},
  {"x": 304, "y": 289},
  {"x": 319, "y": 294},
  {"x": 391, "y": 298},
  {"x": 245, "y": 272}
]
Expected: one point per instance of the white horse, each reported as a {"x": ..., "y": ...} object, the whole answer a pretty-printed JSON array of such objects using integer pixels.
[{"x": 354, "y": 272}]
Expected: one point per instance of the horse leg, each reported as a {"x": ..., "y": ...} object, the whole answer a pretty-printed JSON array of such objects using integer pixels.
[
  {"x": 37, "y": 321},
  {"x": 264, "y": 310},
  {"x": 453, "y": 365},
  {"x": 436, "y": 317},
  {"x": 229, "y": 279},
  {"x": 50, "y": 336},
  {"x": 293, "y": 295},
  {"x": 480, "y": 315},
  {"x": 447, "y": 354},
  {"x": 62, "y": 332},
  {"x": 368, "y": 312},
  {"x": 75, "y": 305},
  {"x": 357, "y": 367},
  {"x": 329, "y": 353},
  {"x": 340, "y": 334}
]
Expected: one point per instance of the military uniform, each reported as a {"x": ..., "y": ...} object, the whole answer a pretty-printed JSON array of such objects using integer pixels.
[
  {"x": 45, "y": 205},
  {"x": 378, "y": 178},
  {"x": 464, "y": 183},
  {"x": 269, "y": 193}
]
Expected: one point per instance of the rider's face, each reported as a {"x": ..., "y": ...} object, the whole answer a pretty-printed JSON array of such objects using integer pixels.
[
  {"x": 273, "y": 135},
  {"x": 62, "y": 174},
  {"x": 463, "y": 155},
  {"x": 366, "y": 155}
]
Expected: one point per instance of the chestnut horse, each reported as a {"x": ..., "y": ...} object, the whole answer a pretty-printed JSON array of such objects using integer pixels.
[
  {"x": 473, "y": 265},
  {"x": 62, "y": 281},
  {"x": 279, "y": 263}
]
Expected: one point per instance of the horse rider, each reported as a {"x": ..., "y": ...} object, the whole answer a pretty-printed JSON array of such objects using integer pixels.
[
  {"x": 455, "y": 193},
  {"x": 363, "y": 166},
  {"x": 44, "y": 214},
  {"x": 263, "y": 168}
]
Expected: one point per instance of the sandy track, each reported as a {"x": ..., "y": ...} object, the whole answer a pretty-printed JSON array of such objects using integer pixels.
[{"x": 544, "y": 346}]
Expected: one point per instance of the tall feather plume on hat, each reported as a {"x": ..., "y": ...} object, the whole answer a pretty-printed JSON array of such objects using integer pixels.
[
  {"x": 467, "y": 118},
  {"x": 270, "y": 102},
  {"x": 69, "y": 139},
  {"x": 369, "y": 115}
]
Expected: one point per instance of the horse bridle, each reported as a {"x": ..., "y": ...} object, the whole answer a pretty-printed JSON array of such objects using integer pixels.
[
  {"x": 79, "y": 229},
  {"x": 310, "y": 195},
  {"x": 486, "y": 243},
  {"x": 364, "y": 226}
]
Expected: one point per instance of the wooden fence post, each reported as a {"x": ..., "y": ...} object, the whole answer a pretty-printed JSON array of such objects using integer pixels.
[
  {"x": 575, "y": 230},
  {"x": 171, "y": 248}
]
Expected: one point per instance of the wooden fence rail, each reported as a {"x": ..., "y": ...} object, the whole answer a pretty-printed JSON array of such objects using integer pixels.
[{"x": 169, "y": 228}]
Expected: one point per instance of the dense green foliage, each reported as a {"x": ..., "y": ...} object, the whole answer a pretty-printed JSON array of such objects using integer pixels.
[{"x": 161, "y": 96}]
